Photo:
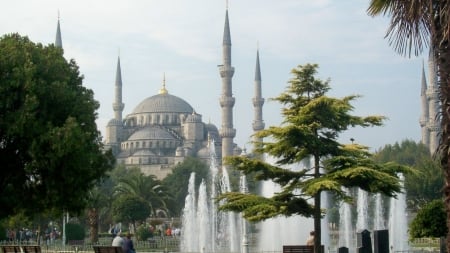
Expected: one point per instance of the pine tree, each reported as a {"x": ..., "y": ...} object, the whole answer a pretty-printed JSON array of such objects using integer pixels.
[{"x": 310, "y": 130}]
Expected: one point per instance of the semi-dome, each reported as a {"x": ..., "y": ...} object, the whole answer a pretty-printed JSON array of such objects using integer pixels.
[
  {"x": 162, "y": 103},
  {"x": 151, "y": 133}
]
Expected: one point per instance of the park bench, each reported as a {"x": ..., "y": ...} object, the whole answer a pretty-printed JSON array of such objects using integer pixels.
[
  {"x": 107, "y": 249},
  {"x": 21, "y": 249},
  {"x": 299, "y": 249},
  {"x": 10, "y": 249},
  {"x": 31, "y": 249}
]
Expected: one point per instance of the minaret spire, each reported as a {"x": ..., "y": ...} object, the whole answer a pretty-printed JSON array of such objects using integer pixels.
[
  {"x": 118, "y": 105},
  {"x": 163, "y": 89},
  {"x": 258, "y": 101},
  {"x": 425, "y": 110},
  {"x": 58, "y": 40},
  {"x": 227, "y": 132}
]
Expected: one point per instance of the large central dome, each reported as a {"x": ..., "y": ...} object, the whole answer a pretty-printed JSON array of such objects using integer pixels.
[{"x": 163, "y": 103}]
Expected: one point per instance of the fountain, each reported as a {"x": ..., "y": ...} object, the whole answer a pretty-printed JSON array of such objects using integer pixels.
[
  {"x": 398, "y": 225},
  {"x": 397, "y": 221},
  {"x": 205, "y": 229},
  {"x": 345, "y": 227}
]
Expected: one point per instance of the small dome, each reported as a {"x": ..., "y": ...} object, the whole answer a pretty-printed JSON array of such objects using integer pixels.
[
  {"x": 194, "y": 118},
  {"x": 151, "y": 132},
  {"x": 163, "y": 103},
  {"x": 213, "y": 132}
]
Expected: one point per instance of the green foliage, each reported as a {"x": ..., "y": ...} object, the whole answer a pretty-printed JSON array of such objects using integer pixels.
[
  {"x": 427, "y": 183},
  {"x": 312, "y": 124},
  {"x": 429, "y": 221},
  {"x": 3, "y": 235},
  {"x": 75, "y": 231},
  {"x": 143, "y": 233},
  {"x": 177, "y": 181},
  {"x": 130, "y": 209},
  {"x": 51, "y": 151},
  {"x": 133, "y": 183}
]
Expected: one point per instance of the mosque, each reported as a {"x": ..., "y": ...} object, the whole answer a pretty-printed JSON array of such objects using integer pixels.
[{"x": 164, "y": 129}]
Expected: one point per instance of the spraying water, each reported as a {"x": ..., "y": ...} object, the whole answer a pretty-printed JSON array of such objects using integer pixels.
[
  {"x": 379, "y": 221},
  {"x": 204, "y": 228},
  {"x": 279, "y": 231},
  {"x": 345, "y": 227},
  {"x": 362, "y": 204},
  {"x": 398, "y": 225}
]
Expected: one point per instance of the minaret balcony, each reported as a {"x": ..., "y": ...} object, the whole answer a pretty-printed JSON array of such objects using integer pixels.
[
  {"x": 227, "y": 132},
  {"x": 227, "y": 101},
  {"x": 258, "y": 125},
  {"x": 226, "y": 71},
  {"x": 118, "y": 106},
  {"x": 258, "y": 102}
]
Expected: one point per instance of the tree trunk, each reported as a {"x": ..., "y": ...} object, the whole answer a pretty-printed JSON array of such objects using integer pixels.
[
  {"x": 317, "y": 211},
  {"x": 442, "y": 55},
  {"x": 92, "y": 216}
]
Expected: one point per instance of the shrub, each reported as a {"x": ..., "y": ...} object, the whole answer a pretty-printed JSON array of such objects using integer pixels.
[
  {"x": 143, "y": 233},
  {"x": 74, "y": 231}
]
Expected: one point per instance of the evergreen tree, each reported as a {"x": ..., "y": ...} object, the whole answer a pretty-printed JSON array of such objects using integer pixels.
[{"x": 312, "y": 124}]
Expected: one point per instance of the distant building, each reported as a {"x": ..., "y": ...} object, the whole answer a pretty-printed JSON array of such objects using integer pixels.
[
  {"x": 430, "y": 118},
  {"x": 164, "y": 129}
]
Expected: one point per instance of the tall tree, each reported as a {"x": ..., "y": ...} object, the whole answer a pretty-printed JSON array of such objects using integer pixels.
[
  {"x": 312, "y": 123},
  {"x": 50, "y": 149},
  {"x": 413, "y": 24}
]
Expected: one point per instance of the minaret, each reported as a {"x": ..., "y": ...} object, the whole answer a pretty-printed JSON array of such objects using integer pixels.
[
  {"x": 425, "y": 110},
  {"x": 227, "y": 132},
  {"x": 58, "y": 40},
  {"x": 118, "y": 105},
  {"x": 114, "y": 128},
  {"x": 258, "y": 102},
  {"x": 433, "y": 104}
]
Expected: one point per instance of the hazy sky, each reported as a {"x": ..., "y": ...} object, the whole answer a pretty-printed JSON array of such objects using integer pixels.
[{"x": 183, "y": 39}]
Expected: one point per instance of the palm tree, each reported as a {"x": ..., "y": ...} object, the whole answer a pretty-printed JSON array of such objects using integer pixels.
[
  {"x": 415, "y": 23},
  {"x": 147, "y": 188}
]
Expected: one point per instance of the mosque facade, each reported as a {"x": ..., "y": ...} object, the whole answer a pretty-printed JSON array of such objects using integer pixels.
[
  {"x": 164, "y": 129},
  {"x": 429, "y": 119}
]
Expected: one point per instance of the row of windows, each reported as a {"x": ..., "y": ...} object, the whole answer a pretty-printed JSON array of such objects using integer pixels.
[
  {"x": 162, "y": 119},
  {"x": 149, "y": 144},
  {"x": 153, "y": 160}
]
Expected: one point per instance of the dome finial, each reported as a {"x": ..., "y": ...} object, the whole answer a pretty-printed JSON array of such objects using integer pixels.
[{"x": 163, "y": 89}]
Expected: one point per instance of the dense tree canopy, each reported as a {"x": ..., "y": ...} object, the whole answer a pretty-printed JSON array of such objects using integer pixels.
[
  {"x": 312, "y": 123},
  {"x": 50, "y": 149},
  {"x": 427, "y": 183}
]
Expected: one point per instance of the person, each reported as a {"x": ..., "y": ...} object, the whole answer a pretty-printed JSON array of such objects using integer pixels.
[
  {"x": 118, "y": 240},
  {"x": 128, "y": 246},
  {"x": 310, "y": 240}
]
